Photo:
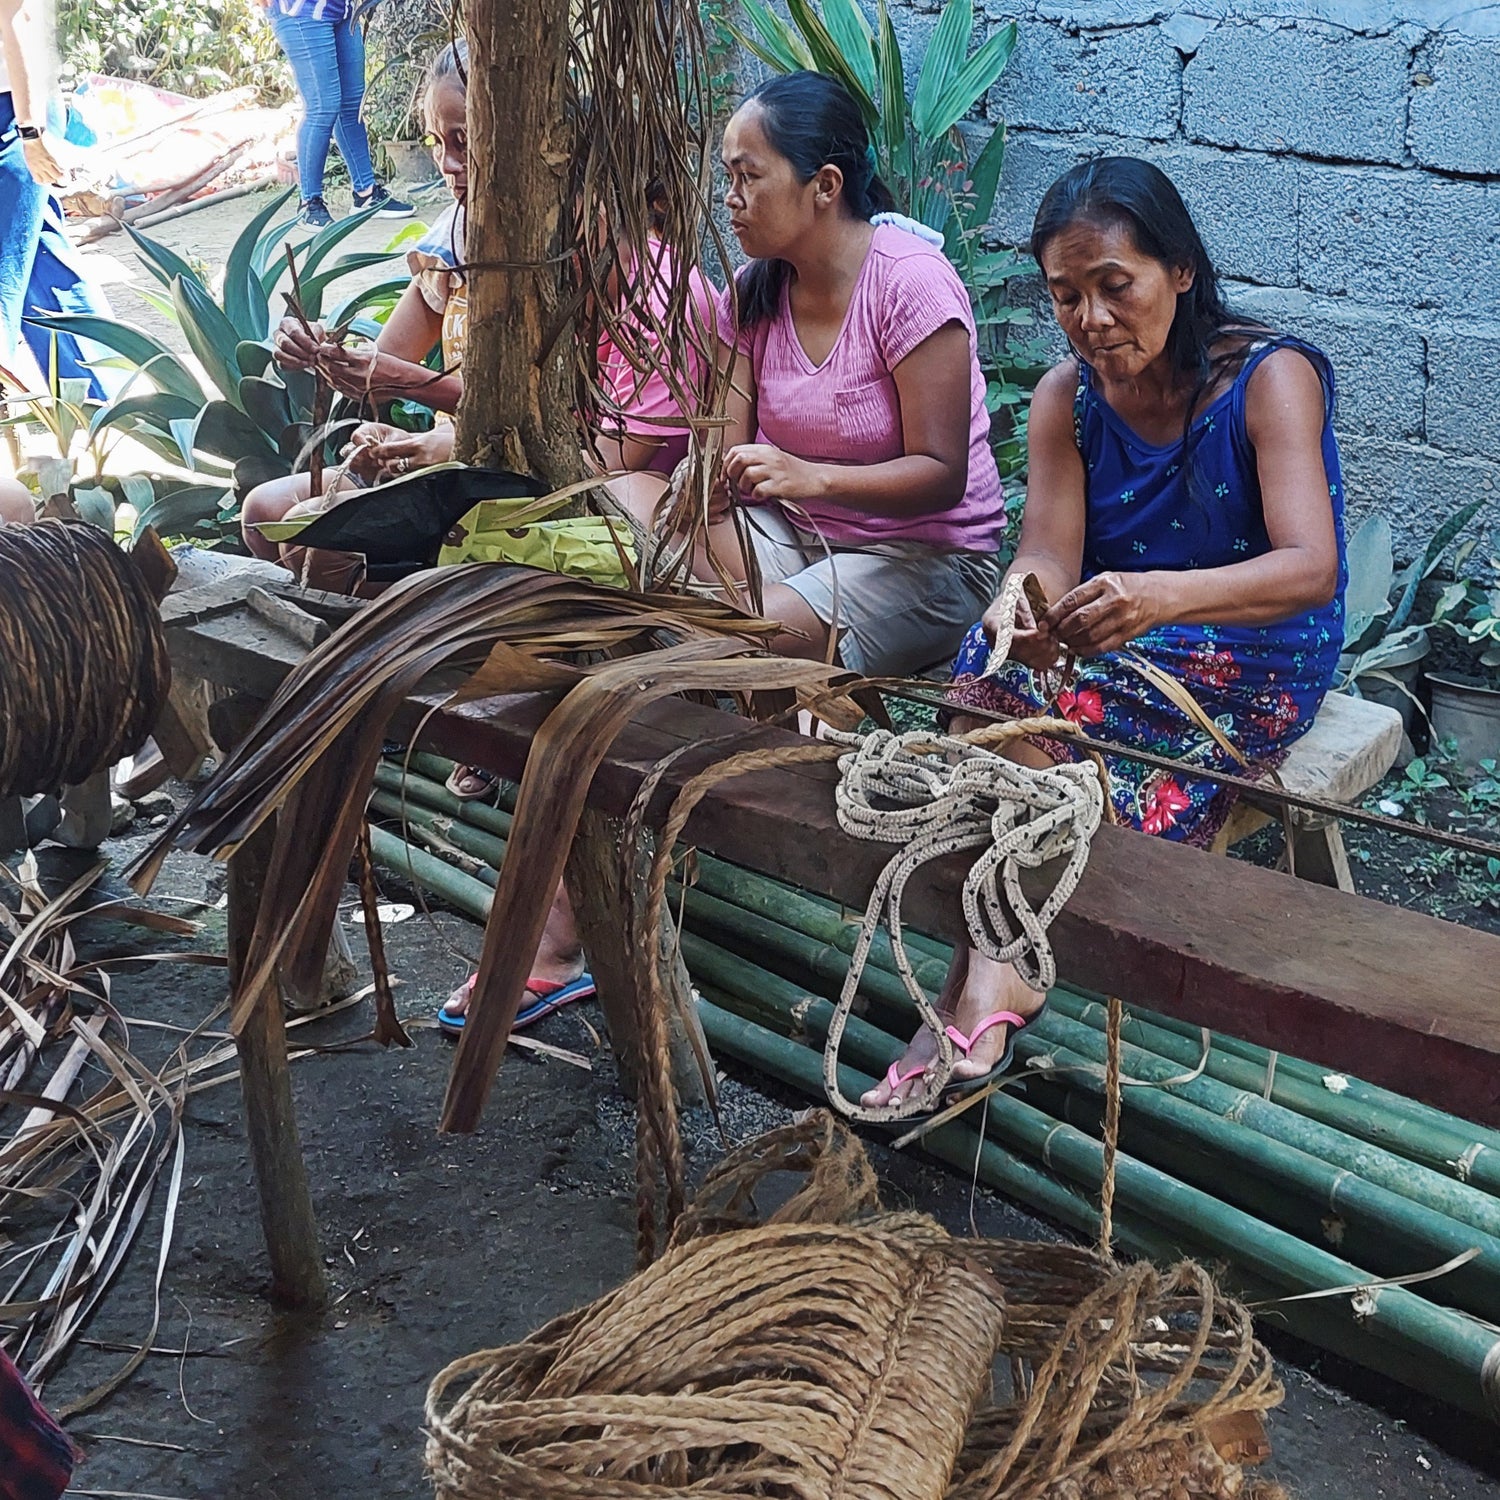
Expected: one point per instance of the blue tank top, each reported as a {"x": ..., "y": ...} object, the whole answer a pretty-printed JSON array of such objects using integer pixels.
[{"x": 1151, "y": 506}]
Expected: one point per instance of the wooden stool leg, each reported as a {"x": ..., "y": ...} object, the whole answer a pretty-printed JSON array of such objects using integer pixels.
[
  {"x": 286, "y": 1211},
  {"x": 1318, "y": 844}
]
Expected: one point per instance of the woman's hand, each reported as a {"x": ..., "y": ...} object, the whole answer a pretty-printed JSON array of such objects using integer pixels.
[
  {"x": 1031, "y": 642},
  {"x": 293, "y": 348},
  {"x": 1105, "y": 612},
  {"x": 397, "y": 453},
  {"x": 761, "y": 471}
]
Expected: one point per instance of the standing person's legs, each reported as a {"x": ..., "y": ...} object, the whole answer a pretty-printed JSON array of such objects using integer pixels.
[
  {"x": 348, "y": 128},
  {"x": 60, "y": 284},
  {"x": 21, "y": 202},
  {"x": 310, "y": 49}
]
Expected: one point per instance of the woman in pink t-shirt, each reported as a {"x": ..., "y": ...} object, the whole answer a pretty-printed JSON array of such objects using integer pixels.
[{"x": 858, "y": 436}]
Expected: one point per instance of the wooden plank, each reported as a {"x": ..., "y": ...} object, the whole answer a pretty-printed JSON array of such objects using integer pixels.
[
  {"x": 1401, "y": 999},
  {"x": 286, "y": 1211}
]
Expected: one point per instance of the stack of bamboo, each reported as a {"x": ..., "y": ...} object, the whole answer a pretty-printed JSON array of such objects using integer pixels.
[{"x": 1297, "y": 1183}]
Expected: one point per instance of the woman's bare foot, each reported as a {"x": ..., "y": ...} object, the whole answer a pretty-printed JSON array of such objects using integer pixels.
[
  {"x": 976, "y": 989},
  {"x": 559, "y": 956},
  {"x": 470, "y": 783}
]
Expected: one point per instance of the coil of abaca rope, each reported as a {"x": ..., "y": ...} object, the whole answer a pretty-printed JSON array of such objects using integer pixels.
[{"x": 84, "y": 670}]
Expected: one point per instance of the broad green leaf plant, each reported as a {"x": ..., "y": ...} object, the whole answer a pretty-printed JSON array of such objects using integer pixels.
[
  {"x": 1379, "y": 602},
  {"x": 925, "y": 158},
  {"x": 251, "y": 420}
]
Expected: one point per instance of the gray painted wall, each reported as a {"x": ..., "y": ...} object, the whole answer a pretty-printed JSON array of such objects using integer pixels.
[{"x": 1343, "y": 160}]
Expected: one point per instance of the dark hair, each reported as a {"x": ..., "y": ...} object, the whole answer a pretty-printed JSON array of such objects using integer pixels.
[
  {"x": 813, "y": 121},
  {"x": 1124, "y": 190}
]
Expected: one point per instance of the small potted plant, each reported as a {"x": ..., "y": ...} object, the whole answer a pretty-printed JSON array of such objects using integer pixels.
[{"x": 1466, "y": 686}]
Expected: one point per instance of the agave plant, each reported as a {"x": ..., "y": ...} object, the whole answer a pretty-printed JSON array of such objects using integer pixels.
[{"x": 252, "y": 419}]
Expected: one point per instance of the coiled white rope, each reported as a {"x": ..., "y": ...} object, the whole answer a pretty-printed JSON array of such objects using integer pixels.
[{"x": 933, "y": 795}]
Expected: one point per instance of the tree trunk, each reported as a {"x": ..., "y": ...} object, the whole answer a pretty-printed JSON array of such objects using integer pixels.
[{"x": 516, "y": 410}]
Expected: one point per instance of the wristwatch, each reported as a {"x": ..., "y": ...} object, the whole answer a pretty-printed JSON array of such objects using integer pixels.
[{"x": 29, "y": 132}]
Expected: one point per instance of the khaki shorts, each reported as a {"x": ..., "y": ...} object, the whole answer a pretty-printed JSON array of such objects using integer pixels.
[{"x": 899, "y": 607}]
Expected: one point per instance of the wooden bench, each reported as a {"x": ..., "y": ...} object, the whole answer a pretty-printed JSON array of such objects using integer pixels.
[
  {"x": 1393, "y": 996},
  {"x": 1351, "y": 745}
]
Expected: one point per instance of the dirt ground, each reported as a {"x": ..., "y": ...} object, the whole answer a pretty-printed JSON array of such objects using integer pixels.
[{"x": 437, "y": 1246}]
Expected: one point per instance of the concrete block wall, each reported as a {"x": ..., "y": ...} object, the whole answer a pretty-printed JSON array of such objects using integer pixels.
[{"x": 1342, "y": 158}]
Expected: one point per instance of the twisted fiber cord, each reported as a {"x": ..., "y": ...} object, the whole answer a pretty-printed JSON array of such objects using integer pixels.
[
  {"x": 658, "y": 1139},
  {"x": 1111, "y": 1124},
  {"x": 800, "y": 1360},
  {"x": 840, "y": 1186},
  {"x": 84, "y": 670},
  {"x": 935, "y": 795},
  {"x": 664, "y": 1150}
]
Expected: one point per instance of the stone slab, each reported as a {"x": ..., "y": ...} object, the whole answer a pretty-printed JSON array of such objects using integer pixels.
[
  {"x": 1245, "y": 205},
  {"x": 1414, "y": 487},
  {"x": 1127, "y": 82},
  {"x": 1463, "y": 390},
  {"x": 1379, "y": 357},
  {"x": 1409, "y": 239}
]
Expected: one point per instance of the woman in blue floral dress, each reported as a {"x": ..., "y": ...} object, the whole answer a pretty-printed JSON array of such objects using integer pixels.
[{"x": 1184, "y": 516}]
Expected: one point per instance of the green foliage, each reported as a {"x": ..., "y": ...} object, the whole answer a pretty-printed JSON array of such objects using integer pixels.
[
  {"x": 195, "y": 47},
  {"x": 1470, "y": 608},
  {"x": 253, "y": 421},
  {"x": 719, "y": 55},
  {"x": 71, "y": 478},
  {"x": 402, "y": 38},
  {"x": 925, "y": 159},
  {"x": 1378, "y": 602}
]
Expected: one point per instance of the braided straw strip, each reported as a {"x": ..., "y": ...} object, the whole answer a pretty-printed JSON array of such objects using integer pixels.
[{"x": 84, "y": 670}]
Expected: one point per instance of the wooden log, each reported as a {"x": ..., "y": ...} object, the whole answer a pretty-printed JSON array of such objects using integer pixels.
[{"x": 286, "y": 1211}]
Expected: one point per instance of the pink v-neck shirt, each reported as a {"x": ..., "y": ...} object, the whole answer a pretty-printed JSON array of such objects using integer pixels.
[{"x": 847, "y": 410}]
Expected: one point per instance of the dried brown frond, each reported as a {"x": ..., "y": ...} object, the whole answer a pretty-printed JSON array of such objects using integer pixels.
[{"x": 77, "y": 1180}]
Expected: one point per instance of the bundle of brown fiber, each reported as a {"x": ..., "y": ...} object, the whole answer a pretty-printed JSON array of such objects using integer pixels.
[
  {"x": 83, "y": 662},
  {"x": 861, "y": 1360}
]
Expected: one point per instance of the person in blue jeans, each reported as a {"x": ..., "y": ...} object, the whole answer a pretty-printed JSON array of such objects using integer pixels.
[
  {"x": 324, "y": 44},
  {"x": 39, "y": 270}
]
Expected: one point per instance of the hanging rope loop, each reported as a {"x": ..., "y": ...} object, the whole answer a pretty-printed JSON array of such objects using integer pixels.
[{"x": 934, "y": 795}]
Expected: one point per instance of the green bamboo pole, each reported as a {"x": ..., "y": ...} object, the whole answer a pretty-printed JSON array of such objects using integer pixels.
[
  {"x": 1482, "y": 1143},
  {"x": 797, "y": 933},
  {"x": 956, "y": 1144},
  {"x": 1254, "y": 1178},
  {"x": 1427, "y": 1346},
  {"x": 1432, "y": 1349},
  {"x": 1453, "y": 1200},
  {"x": 419, "y": 868}
]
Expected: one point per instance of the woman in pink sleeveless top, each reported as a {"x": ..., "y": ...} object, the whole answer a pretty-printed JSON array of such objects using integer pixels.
[{"x": 858, "y": 436}]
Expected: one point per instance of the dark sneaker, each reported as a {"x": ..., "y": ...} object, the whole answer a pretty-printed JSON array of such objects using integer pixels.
[
  {"x": 314, "y": 214},
  {"x": 385, "y": 206}
]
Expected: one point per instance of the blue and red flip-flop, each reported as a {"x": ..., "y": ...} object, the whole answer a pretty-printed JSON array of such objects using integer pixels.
[{"x": 548, "y": 995}]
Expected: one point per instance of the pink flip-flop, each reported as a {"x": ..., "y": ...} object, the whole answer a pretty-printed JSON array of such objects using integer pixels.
[{"x": 895, "y": 1079}]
